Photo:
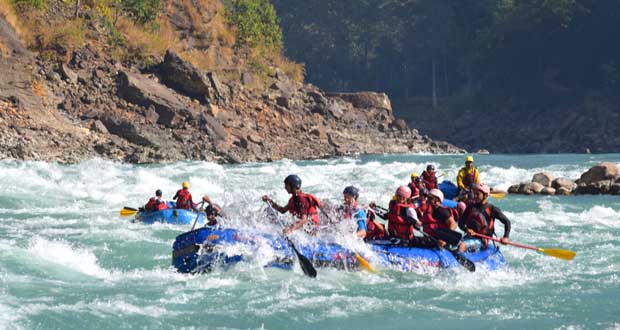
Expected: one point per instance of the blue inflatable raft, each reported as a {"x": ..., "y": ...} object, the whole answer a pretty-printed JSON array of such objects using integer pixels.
[
  {"x": 170, "y": 215},
  {"x": 202, "y": 249}
]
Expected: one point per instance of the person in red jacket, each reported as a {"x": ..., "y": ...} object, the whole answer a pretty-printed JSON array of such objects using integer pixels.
[
  {"x": 301, "y": 205},
  {"x": 184, "y": 198},
  {"x": 155, "y": 203},
  {"x": 438, "y": 220},
  {"x": 429, "y": 177}
]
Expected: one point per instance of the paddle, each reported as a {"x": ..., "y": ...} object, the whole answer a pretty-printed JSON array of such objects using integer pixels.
[
  {"x": 498, "y": 194},
  {"x": 198, "y": 214},
  {"x": 558, "y": 253},
  {"x": 451, "y": 238},
  {"x": 363, "y": 262},
  {"x": 306, "y": 265},
  {"x": 127, "y": 211}
]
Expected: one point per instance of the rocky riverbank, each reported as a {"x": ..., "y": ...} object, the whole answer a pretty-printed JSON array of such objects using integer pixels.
[
  {"x": 94, "y": 106},
  {"x": 603, "y": 178}
]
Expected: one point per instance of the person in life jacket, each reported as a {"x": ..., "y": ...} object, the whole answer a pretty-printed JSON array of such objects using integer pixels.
[
  {"x": 301, "y": 205},
  {"x": 413, "y": 185},
  {"x": 184, "y": 198},
  {"x": 402, "y": 216},
  {"x": 352, "y": 211},
  {"x": 467, "y": 175},
  {"x": 429, "y": 177},
  {"x": 480, "y": 216},
  {"x": 155, "y": 203},
  {"x": 438, "y": 219}
]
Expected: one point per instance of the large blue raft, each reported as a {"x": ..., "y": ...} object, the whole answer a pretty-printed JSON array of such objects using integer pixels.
[
  {"x": 170, "y": 215},
  {"x": 203, "y": 249}
]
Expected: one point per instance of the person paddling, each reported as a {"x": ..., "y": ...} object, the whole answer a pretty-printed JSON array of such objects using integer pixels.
[
  {"x": 184, "y": 198},
  {"x": 155, "y": 203},
  {"x": 351, "y": 210},
  {"x": 212, "y": 211},
  {"x": 437, "y": 220},
  {"x": 301, "y": 205},
  {"x": 480, "y": 216}
]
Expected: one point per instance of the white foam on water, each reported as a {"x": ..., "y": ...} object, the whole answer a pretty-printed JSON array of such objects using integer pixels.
[{"x": 66, "y": 255}]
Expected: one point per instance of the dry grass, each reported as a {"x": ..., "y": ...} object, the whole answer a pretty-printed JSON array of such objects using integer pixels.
[
  {"x": 144, "y": 41},
  {"x": 69, "y": 35},
  {"x": 8, "y": 12},
  {"x": 295, "y": 71}
]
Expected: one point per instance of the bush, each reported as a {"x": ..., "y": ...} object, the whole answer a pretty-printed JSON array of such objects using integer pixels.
[
  {"x": 256, "y": 24},
  {"x": 142, "y": 11},
  {"x": 40, "y": 4}
]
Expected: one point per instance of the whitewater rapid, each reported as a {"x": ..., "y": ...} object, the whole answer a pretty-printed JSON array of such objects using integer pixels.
[{"x": 69, "y": 261}]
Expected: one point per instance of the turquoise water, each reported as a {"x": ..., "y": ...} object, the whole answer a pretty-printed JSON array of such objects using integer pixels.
[{"x": 69, "y": 261}]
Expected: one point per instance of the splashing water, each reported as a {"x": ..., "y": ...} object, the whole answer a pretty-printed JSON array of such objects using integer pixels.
[{"x": 68, "y": 261}]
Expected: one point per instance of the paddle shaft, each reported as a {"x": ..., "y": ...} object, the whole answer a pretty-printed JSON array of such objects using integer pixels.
[
  {"x": 197, "y": 216},
  {"x": 509, "y": 243}
]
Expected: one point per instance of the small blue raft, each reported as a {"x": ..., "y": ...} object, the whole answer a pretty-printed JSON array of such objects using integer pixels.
[
  {"x": 203, "y": 249},
  {"x": 170, "y": 215}
]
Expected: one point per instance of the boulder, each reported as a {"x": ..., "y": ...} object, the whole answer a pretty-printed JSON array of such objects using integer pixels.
[
  {"x": 547, "y": 191},
  {"x": 128, "y": 131},
  {"x": 563, "y": 191},
  {"x": 400, "y": 125},
  {"x": 151, "y": 116},
  {"x": 544, "y": 178},
  {"x": 140, "y": 90},
  {"x": 531, "y": 188},
  {"x": 565, "y": 183},
  {"x": 255, "y": 138},
  {"x": 285, "y": 88},
  {"x": 214, "y": 129},
  {"x": 365, "y": 100},
  {"x": 602, "y": 171},
  {"x": 615, "y": 189},
  {"x": 586, "y": 189},
  {"x": 99, "y": 127},
  {"x": 515, "y": 188},
  {"x": 182, "y": 76},
  {"x": 68, "y": 74},
  {"x": 221, "y": 91}
]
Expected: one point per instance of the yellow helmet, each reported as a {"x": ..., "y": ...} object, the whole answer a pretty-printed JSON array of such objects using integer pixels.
[
  {"x": 469, "y": 158},
  {"x": 185, "y": 184},
  {"x": 414, "y": 175}
]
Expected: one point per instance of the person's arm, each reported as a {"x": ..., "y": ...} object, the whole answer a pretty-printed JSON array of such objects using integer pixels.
[
  {"x": 176, "y": 195},
  {"x": 497, "y": 214},
  {"x": 459, "y": 179},
  {"x": 299, "y": 224},
  {"x": 281, "y": 209},
  {"x": 360, "y": 217},
  {"x": 411, "y": 216}
]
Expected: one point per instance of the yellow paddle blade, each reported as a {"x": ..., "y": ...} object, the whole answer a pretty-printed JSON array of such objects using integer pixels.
[
  {"x": 558, "y": 253},
  {"x": 126, "y": 212},
  {"x": 498, "y": 194},
  {"x": 364, "y": 263}
]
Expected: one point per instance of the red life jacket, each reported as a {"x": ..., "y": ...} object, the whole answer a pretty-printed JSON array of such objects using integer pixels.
[
  {"x": 430, "y": 181},
  {"x": 397, "y": 225},
  {"x": 155, "y": 204},
  {"x": 305, "y": 204},
  {"x": 469, "y": 178},
  {"x": 373, "y": 230},
  {"x": 431, "y": 224},
  {"x": 184, "y": 199},
  {"x": 415, "y": 191},
  {"x": 483, "y": 220}
]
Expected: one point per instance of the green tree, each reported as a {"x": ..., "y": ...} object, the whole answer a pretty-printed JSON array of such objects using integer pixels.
[{"x": 256, "y": 23}]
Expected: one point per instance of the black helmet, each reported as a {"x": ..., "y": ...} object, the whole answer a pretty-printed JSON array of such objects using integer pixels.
[
  {"x": 430, "y": 167},
  {"x": 293, "y": 180},
  {"x": 158, "y": 193},
  {"x": 350, "y": 190}
]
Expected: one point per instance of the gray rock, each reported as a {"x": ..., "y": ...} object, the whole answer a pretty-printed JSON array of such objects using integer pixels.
[
  {"x": 151, "y": 116},
  {"x": 286, "y": 88},
  {"x": 544, "y": 178},
  {"x": 568, "y": 184},
  {"x": 68, "y": 74},
  {"x": 365, "y": 100},
  {"x": 140, "y": 90},
  {"x": 531, "y": 188},
  {"x": 182, "y": 76},
  {"x": 586, "y": 189},
  {"x": 547, "y": 191},
  {"x": 602, "y": 171},
  {"x": 221, "y": 91},
  {"x": 563, "y": 191},
  {"x": 615, "y": 189},
  {"x": 129, "y": 131},
  {"x": 215, "y": 130},
  {"x": 99, "y": 127},
  {"x": 255, "y": 138},
  {"x": 400, "y": 125},
  {"x": 515, "y": 189},
  {"x": 247, "y": 79}
]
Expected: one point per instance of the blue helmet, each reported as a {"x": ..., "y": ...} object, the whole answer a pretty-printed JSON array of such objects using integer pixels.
[
  {"x": 293, "y": 180},
  {"x": 350, "y": 190}
]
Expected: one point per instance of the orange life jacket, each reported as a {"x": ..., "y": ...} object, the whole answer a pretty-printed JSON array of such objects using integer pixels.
[
  {"x": 305, "y": 204},
  {"x": 397, "y": 225}
]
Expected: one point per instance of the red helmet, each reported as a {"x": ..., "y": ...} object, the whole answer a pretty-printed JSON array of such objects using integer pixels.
[
  {"x": 403, "y": 191},
  {"x": 482, "y": 187}
]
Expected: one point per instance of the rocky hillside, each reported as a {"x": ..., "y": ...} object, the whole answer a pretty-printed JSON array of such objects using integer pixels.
[{"x": 68, "y": 102}]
